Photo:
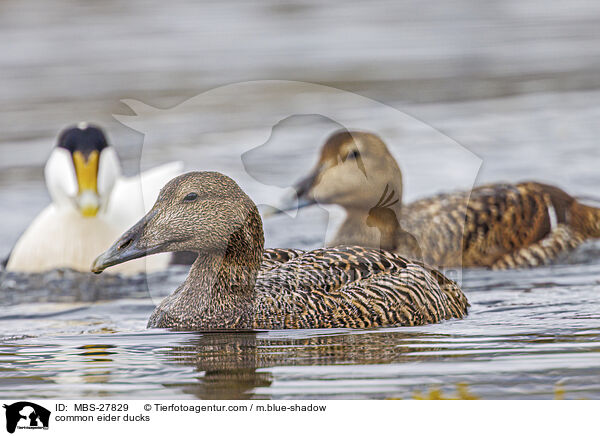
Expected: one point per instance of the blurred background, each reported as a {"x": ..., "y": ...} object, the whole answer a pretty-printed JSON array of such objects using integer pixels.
[{"x": 515, "y": 82}]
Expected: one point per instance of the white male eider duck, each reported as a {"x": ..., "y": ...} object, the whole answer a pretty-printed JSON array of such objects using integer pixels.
[
  {"x": 235, "y": 284},
  {"x": 498, "y": 226},
  {"x": 92, "y": 204}
]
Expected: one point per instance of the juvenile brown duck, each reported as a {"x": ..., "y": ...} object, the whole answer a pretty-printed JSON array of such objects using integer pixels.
[
  {"x": 234, "y": 285},
  {"x": 498, "y": 226}
]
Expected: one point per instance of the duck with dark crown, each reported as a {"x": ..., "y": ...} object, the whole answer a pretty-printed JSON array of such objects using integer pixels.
[
  {"x": 92, "y": 204},
  {"x": 498, "y": 226},
  {"x": 236, "y": 284}
]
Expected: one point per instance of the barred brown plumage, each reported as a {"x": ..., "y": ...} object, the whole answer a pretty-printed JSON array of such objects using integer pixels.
[
  {"x": 351, "y": 286},
  {"x": 236, "y": 284},
  {"x": 498, "y": 226}
]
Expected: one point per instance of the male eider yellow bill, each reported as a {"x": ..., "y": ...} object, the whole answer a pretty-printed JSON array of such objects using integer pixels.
[
  {"x": 498, "y": 226},
  {"x": 235, "y": 284},
  {"x": 92, "y": 204}
]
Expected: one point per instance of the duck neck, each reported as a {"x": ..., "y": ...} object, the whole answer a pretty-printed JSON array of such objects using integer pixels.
[
  {"x": 217, "y": 278},
  {"x": 369, "y": 228},
  {"x": 219, "y": 290},
  {"x": 387, "y": 224}
]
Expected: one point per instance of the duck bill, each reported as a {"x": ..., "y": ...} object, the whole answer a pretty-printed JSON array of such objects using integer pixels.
[
  {"x": 288, "y": 204},
  {"x": 116, "y": 255},
  {"x": 89, "y": 203},
  {"x": 302, "y": 199},
  {"x": 86, "y": 170},
  {"x": 127, "y": 247}
]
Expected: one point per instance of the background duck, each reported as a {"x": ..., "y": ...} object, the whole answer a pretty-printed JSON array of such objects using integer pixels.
[
  {"x": 92, "y": 204},
  {"x": 230, "y": 287},
  {"x": 498, "y": 226}
]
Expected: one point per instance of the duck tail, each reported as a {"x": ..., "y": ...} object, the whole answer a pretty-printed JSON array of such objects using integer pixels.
[
  {"x": 581, "y": 218},
  {"x": 458, "y": 303},
  {"x": 585, "y": 219}
]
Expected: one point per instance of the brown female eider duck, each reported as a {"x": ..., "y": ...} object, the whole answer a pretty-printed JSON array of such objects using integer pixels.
[
  {"x": 234, "y": 285},
  {"x": 499, "y": 226}
]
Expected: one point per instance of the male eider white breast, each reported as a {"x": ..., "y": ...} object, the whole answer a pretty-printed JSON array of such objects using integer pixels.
[{"x": 92, "y": 204}]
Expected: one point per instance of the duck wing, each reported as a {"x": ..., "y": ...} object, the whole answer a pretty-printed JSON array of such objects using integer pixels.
[
  {"x": 354, "y": 287},
  {"x": 437, "y": 223},
  {"x": 275, "y": 257},
  {"x": 499, "y": 225}
]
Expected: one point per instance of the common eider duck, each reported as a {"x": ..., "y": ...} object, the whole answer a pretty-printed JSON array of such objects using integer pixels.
[
  {"x": 92, "y": 204},
  {"x": 235, "y": 284},
  {"x": 499, "y": 226}
]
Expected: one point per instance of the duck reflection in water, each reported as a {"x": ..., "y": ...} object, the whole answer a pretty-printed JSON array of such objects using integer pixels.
[{"x": 235, "y": 366}]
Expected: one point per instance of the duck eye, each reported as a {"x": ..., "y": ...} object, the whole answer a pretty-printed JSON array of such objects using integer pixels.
[
  {"x": 190, "y": 197},
  {"x": 354, "y": 154}
]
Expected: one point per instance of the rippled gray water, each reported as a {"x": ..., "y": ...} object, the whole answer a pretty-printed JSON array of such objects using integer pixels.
[{"x": 513, "y": 82}]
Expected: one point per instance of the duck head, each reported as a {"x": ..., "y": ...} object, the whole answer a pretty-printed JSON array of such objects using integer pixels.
[
  {"x": 82, "y": 170},
  {"x": 354, "y": 171},
  {"x": 202, "y": 212}
]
